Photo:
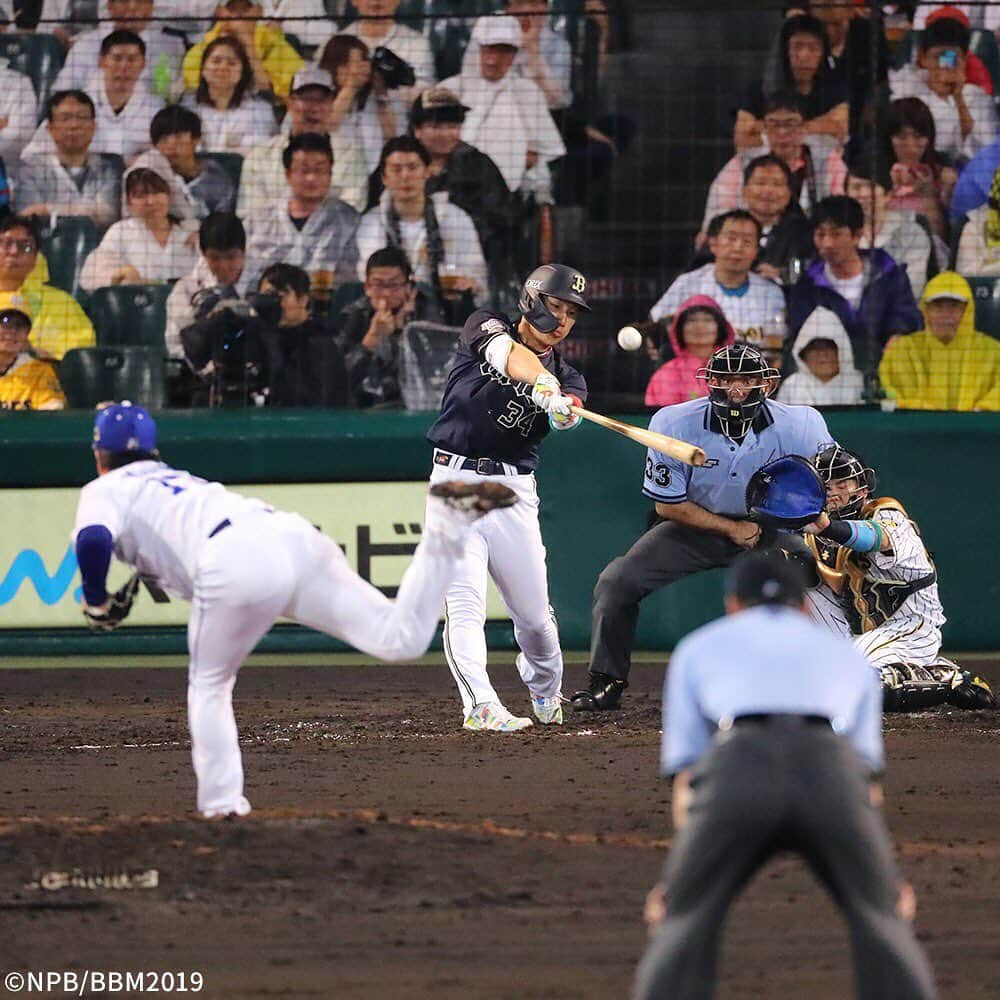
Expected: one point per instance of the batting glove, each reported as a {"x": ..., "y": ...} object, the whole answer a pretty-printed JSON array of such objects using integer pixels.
[
  {"x": 114, "y": 611},
  {"x": 547, "y": 395},
  {"x": 566, "y": 421}
]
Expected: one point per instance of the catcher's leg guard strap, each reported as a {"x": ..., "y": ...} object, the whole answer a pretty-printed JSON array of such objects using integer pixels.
[{"x": 906, "y": 688}]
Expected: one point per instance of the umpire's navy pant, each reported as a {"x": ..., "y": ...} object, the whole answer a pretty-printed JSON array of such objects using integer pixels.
[{"x": 769, "y": 786}]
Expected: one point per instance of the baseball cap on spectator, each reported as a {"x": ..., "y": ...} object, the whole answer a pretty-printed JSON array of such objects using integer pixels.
[
  {"x": 951, "y": 294},
  {"x": 766, "y": 577},
  {"x": 501, "y": 29},
  {"x": 124, "y": 427},
  {"x": 13, "y": 304},
  {"x": 955, "y": 13},
  {"x": 437, "y": 104},
  {"x": 311, "y": 76}
]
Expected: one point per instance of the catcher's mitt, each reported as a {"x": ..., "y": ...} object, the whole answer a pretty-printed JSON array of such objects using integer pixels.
[{"x": 118, "y": 608}]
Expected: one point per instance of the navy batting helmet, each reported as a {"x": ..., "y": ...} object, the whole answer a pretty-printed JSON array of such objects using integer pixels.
[
  {"x": 556, "y": 281},
  {"x": 727, "y": 362},
  {"x": 834, "y": 464},
  {"x": 786, "y": 493}
]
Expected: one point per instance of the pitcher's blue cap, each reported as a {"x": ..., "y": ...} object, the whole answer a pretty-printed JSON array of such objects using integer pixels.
[{"x": 124, "y": 427}]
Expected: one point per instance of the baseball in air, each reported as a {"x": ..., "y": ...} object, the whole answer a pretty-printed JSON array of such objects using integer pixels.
[{"x": 629, "y": 338}]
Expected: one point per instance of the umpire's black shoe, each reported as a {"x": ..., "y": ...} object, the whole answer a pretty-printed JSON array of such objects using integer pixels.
[{"x": 604, "y": 694}]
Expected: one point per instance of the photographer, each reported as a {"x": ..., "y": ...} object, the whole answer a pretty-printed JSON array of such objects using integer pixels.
[
  {"x": 264, "y": 350},
  {"x": 370, "y": 327}
]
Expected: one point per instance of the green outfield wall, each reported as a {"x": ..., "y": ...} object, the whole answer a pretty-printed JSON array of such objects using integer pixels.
[{"x": 942, "y": 466}]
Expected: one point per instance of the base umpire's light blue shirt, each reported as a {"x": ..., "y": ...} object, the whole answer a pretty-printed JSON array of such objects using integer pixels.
[
  {"x": 720, "y": 484},
  {"x": 767, "y": 660}
]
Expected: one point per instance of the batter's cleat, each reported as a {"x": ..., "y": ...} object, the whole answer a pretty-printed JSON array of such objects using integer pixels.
[
  {"x": 548, "y": 711},
  {"x": 474, "y": 499},
  {"x": 492, "y": 717},
  {"x": 604, "y": 694}
]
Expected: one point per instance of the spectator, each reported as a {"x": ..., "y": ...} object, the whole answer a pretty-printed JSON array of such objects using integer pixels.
[
  {"x": 497, "y": 99},
  {"x": 964, "y": 115},
  {"x": 58, "y": 323},
  {"x": 826, "y": 375},
  {"x": 273, "y": 61},
  {"x": 145, "y": 248},
  {"x": 222, "y": 242},
  {"x": 751, "y": 304},
  {"x": 71, "y": 180},
  {"x": 370, "y": 327},
  {"x": 805, "y": 70},
  {"x": 362, "y": 113},
  {"x": 903, "y": 235},
  {"x": 197, "y": 187},
  {"x": 817, "y": 168},
  {"x": 921, "y": 181},
  {"x": 25, "y": 382},
  {"x": 377, "y": 29},
  {"x": 233, "y": 119},
  {"x": 974, "y": 182},
  {"x": 698, "y": 329},
  {"x": 308, "y": 20},
  {"x": 310, "y": 229},
  {"x": 124, "y": 110},
  {"x": 164, "y": 52},
  {"x": 545, "y": 56},
  {"x": 866, "y": 290},
  {"x": 975, "y": 69},
  {"x": 979, "y": 244},
  {"x": 310, "y": 109},
  {"x": 948, "y": 365},
  {"x": 439, "y": 239},
  {"x": 18, "y": 113}
]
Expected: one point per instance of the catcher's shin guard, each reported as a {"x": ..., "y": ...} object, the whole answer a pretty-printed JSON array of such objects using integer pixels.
[{"x": 909, "y": 688}]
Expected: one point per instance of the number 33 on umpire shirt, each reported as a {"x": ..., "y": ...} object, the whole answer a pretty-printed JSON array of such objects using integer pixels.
[{"x": 720, "y": 484}]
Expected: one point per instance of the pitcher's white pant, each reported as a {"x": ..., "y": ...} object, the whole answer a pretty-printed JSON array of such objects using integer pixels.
[
  {"x": 506, "y": 545},
  {"x": 266, "y": 566},
  {"x": 902, "y": 639}
]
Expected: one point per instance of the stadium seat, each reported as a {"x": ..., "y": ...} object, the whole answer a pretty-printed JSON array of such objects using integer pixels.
[
  {"x": 38, "y": 56},
  {"x": 130, "y": 315},
  {"x": 986, "y": 292},
  {"x": 66, "y": 248},
  {"x": 427, "y": 351},
  {"x": 232, "y": 163},
  {"x": 90, "y": 375},
  {"x": 343, "y": 295},
  {"x": 984, "y": 45}
]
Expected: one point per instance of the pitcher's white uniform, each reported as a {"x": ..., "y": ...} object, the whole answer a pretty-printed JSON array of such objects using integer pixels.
[
  {"x": 242, "y": 565},
  {"x": 910, "y": 634}
]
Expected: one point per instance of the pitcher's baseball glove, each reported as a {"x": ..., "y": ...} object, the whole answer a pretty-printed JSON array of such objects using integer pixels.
[{"x": 117, "y": 610}]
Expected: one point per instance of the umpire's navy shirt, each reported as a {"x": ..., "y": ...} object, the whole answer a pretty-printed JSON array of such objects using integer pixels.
[
  {"x": 487, "y": 415},
  {"x": 720, "y": 484},
  {"x": 767, "y": 659}
]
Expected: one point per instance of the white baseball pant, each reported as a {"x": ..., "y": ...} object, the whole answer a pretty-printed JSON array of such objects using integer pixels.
[
  {"x": 270, "y": 565},
  {"x": 507, "y": 546},
  {"x": 902, "y": 639}
]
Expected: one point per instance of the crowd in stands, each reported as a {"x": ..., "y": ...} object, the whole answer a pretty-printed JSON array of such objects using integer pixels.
[{"x": 291, "y": 194}]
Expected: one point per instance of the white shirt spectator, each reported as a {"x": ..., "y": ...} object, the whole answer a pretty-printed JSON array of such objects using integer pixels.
[
  {"x": 19, "y": 106},
  {"x": 907, "y": 242},
  {"x": 307, "y": 20},
  {"x": 411, "y": 46},
  {"x": 180, "y": 311},
  {"x": 130, "y": 242},
  {"x": 235, "y": 130},
  {"x": 802, "y": 387},
  {"x": 94, "y": 190},
  {"x": 978, "y": 254},
  {"x": 164, "y": 55},
  {"x": 361, "y": 129},
  {"x": 508, "y": 118},
  {"x": 748, "y": 308},
  {"x": 912, "y": 82},
  {"x": 263, "y": 183},
  {"x": 557, "y": 57},
  {"x": 458, "y": 234},
  {"x": 327, "y": 241},
  {"x": 127, "y": 132}
]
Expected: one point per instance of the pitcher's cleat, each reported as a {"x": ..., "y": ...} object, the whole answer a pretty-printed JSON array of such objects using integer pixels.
[
  {"x": 492, "y": 717},
  {"x": 548, "y": 711}
]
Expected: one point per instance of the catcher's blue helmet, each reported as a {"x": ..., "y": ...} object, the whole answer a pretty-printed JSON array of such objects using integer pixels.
[{"x": 786, "y": 493}]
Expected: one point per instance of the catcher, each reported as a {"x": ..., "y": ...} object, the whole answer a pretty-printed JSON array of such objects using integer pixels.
[{"x": 872, "y": 576}]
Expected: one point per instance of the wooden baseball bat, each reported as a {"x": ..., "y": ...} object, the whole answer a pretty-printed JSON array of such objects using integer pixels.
[{"x": 681, "y": 450}]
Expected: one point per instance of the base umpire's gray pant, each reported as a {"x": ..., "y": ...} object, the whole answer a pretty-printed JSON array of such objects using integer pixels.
[
  {"x": 769, "y": 786},
  {"x": 665, "y": 553}
]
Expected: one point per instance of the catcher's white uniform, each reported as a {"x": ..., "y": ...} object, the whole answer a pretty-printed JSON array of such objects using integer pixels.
[
  {"x": 911, "y": 633},
  {"x": 242, "y": 565}
]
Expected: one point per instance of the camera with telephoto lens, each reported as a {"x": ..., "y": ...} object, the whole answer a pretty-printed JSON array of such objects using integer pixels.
[{"x": 395, "y": 72}]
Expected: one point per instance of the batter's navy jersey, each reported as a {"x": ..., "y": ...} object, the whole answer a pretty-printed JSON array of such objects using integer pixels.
[
  {"x": 487, "y": 415},
  {"x": 720, "y": 484}
]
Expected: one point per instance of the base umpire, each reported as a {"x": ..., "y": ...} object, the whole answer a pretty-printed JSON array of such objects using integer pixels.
[{"x": 772, "y": 729}]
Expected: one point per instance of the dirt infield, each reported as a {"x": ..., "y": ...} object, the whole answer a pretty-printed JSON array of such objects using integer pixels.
[{"x": 391, "y": 855}]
